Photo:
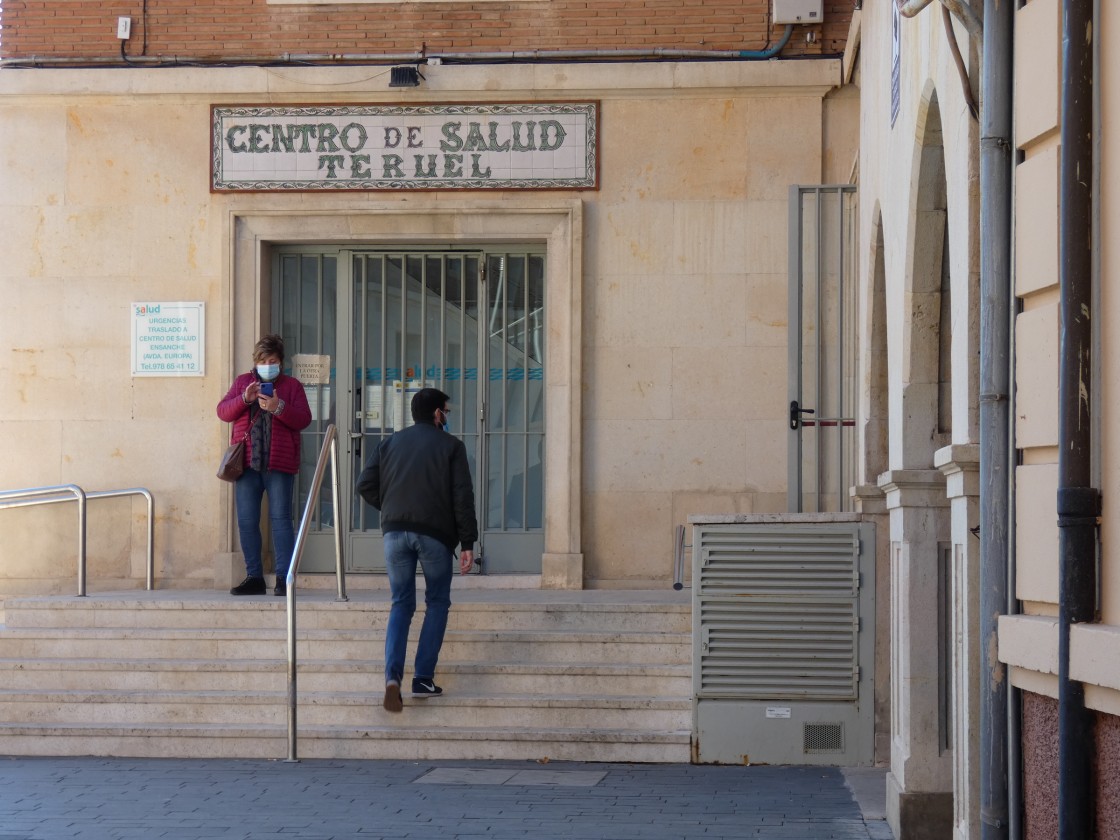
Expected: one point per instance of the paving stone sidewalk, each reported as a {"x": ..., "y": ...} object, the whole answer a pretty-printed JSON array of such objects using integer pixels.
[{"x": 203, "y": 799}]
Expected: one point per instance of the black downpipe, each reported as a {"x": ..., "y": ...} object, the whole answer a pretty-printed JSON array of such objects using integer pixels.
[
  {"x": 995, "y": 412},
  {"x": 1078, "y": 500}
]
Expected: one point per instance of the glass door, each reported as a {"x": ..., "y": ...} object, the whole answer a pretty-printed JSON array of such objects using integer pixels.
[
  {"x": 511, "y": 503},
  {"x": 466, "y": 322},
  {"x": 305, "y": 312}
]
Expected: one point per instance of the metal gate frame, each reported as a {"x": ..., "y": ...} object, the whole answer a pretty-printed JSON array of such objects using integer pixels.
[{"x": 825, "y": 257}]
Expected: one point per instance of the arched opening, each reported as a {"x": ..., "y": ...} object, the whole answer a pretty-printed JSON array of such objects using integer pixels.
[
  {"x": 921, "y": 777},
  {"x": 926, "y": 381}
]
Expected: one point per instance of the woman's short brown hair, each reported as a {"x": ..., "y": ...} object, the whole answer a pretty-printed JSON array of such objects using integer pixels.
[{"x": 269, "y": 345}]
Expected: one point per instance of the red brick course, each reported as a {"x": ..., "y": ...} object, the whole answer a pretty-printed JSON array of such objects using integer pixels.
[{"x": 254, "y": 30}]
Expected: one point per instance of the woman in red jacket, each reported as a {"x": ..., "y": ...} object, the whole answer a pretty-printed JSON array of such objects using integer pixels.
[{"x": 273, "y": 408}]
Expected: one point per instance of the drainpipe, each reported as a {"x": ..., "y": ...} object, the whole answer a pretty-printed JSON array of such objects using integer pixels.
[
  {"x": 773, "y": 51},
  {"x": 995, "y": 415},
  {"x": 1078, "y": 500}
]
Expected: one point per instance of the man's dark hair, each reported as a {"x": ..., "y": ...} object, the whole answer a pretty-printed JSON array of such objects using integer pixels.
[{"x": 425, "y": 403}]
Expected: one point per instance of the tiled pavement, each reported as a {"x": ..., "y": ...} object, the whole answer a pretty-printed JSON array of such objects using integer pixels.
[{"x": 202, "y": 799}]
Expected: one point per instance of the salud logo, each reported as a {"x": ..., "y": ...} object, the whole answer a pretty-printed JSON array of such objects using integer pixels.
[{"x": 147, "y": 309}]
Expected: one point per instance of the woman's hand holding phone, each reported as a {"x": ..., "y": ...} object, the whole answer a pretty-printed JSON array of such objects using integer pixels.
[{"x": 267, "y": 398}]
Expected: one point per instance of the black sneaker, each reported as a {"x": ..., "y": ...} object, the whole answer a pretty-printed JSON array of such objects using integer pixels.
[
  {"x": 250, "y": 586},
  {"x": 281, "y": 589},
  {"x": 392, "y": 701},
  {"x": 425, "y": 688}
]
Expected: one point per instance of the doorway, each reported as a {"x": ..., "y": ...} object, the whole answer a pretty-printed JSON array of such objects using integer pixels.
[{"x": 372, "y": 327}]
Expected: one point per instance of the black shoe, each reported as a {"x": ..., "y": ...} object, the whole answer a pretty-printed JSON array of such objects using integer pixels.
[
  {"x": 281, "y": 589},
  {"x": 425, "y": 688},
  {"x": 250, "y": 586},
  {"x": 393, "y": 697}
]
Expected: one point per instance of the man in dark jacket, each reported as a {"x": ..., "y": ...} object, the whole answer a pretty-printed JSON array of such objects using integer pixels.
[{"x": 420, "y": 481}]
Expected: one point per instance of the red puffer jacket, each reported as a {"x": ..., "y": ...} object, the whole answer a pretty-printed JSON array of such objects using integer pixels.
[{"x": 286, "y": 426}]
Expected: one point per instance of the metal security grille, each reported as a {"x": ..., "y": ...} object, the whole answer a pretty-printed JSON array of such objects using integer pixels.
[
  {"x": 416, "y": 319},
  {"x": 390, "y": 322},
  {"x": 472, "y": 325},
  {"x": 779, "y": 614}
]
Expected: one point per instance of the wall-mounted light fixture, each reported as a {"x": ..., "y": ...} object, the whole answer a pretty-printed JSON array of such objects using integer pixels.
[{"x": 404, "y": 76}]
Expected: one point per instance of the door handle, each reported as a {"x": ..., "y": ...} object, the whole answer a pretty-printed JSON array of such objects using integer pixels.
[
  {"x": 795, "y": 412},
  {"x": 355, "y": 436}
]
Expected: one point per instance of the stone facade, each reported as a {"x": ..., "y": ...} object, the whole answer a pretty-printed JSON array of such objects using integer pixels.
[
  {"x": 919, "y": 194},
  {"x": 668, "y": 313},
  {"x": 667, "y": 292}
]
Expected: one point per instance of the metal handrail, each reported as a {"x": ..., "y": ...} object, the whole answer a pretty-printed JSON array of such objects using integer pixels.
[
  {"x": 678, "y": 560},
  {"x": 330, "y": 449},
  {"x": 72, "y": 492}
]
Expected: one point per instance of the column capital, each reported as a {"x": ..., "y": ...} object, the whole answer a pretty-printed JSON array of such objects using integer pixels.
[
  {"x": 868, "y": 498},
  {"x": 913, "y": 488},
  {"x": 960, "y": 464}
]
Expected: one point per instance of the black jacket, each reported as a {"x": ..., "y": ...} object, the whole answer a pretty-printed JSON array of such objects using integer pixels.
[{"x": 420, "y": 481}]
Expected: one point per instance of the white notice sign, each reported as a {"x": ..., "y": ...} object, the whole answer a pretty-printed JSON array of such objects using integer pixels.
[
  {"x": 168, "y": 339},
  {"x": 311, "y": 369}
]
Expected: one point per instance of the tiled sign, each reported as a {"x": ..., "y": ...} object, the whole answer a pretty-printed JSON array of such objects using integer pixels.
[{"x": 399, "y": 147}]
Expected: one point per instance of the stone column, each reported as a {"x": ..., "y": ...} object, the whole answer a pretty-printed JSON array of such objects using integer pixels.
[
  {"x": 870, "y": 503},
  {"x": 920, "y": 781},
  {"x": 960, "y": 464}
]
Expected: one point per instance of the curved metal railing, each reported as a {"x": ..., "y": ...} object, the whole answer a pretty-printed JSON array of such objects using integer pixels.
[
  {"x": 72, "y": 492},
  {"x": 328, "y": 451}
]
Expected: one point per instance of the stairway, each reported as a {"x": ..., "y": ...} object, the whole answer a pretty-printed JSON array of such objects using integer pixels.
[{"x": 597, "y": 675}]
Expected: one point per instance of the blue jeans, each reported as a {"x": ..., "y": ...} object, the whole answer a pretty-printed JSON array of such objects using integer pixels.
[
  {"x": 403, "y": 549},
  {"x": 247, "y": 494}
]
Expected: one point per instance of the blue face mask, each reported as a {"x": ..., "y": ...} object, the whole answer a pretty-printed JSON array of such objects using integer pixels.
[{"x": 268, "y": 372}]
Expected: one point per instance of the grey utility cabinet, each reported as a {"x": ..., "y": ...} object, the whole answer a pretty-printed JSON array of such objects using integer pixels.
[{"x": 783, "y": 639}]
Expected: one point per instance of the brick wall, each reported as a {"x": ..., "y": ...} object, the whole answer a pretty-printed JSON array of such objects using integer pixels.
[
  {"x": 194, "y": 29},
  {"x": 1106, "y": 770},
  {"x": 1040, "y": 771},
  {"x": 1040, "y": 767}
]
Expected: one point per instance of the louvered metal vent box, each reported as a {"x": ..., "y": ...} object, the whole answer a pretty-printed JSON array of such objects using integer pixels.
[
  {"x": 783, "y": 639},
  {"x": 798, "y": 11}
]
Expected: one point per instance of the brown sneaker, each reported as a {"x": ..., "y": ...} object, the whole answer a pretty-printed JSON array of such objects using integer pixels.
[{"x": 393, "y": 696}]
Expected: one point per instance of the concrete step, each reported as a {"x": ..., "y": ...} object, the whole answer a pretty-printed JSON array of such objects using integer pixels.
[
  {"x": 459, "y": 646},
  {"x": 320, "y": 708},
  {"x": 596, "y": 676},
  {"x": 329, "y": 742},
  {"x": 319, "y": 611},
  {"x": 549, "y": 679}
]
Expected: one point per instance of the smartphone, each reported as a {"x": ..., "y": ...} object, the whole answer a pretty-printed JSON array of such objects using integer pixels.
[{"x": 267, "y": 389}]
